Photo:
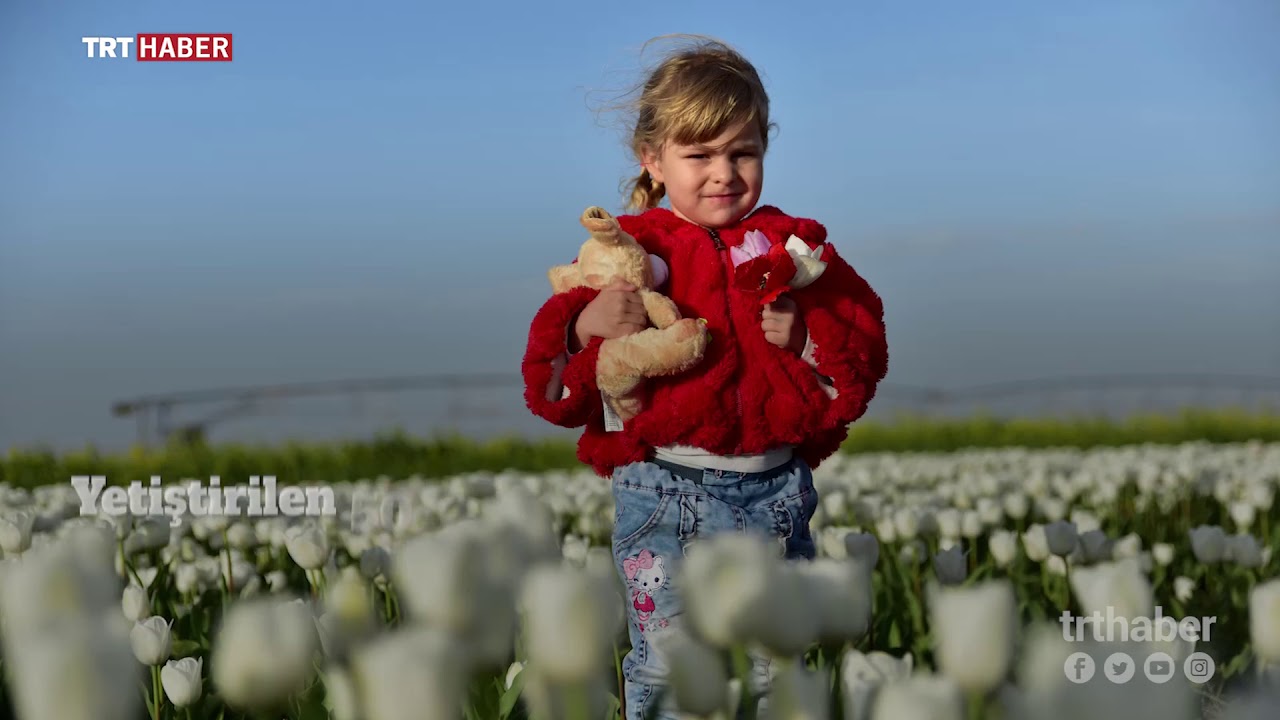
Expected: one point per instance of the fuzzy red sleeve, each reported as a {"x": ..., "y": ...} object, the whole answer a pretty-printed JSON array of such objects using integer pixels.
[
  {"x": 845, "y": 320},
  {"x": 549, "y": 370}
]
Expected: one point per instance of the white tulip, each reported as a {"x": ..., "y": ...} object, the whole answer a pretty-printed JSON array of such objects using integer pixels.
[
  {"x": 1117, "y": 587},
  {"x": 990, "y": 511},
  {"x": 512, "y": 673},
  {"x": 79, "y": 672},
  {"x": 862, "y": 546},
  {"x": 277, "y": 581},
  {"x": 1243, "y": 514},
  {"x": 135, "y": 603},
  {"x": 886, "y": 530},
  {"x": 949, "y": 566},
  {"x": 341, "y": 697},
  {"x": 241, "y": 536},
  {"x": 1095, "y": 546},
  {"x": 1062, "y": 537},
  {"x": 411, "y": 674},
  {"x": 1208, "y": 542},
  {"x": 1264, "y": 620},
  {"x": 152, "y": 641},
  {"x": 264, "y": 651},
  {"x": 906, "y": 523},
  {"x": 183, "y": 680},
  {"x": 696, "y": 672},
  {"x": 861, "y": 677},
  {"x": 15, "y": 531},
  {"x": 147, "y": 535},
  {"x": 1035, "y": 543},
  {"x": 1261, "y": 495},
  {"x": 441, "y": 576},
  {"x": 1003, "y": 546},
  {"x": 727, "y": 581},
  {"x": 307, "y": 545},
  {"x": 970, "y": 524},
  {"x": 1243, "y": 550},
  {"x": 920, "y": 698},
  {"x": 375, "y": 563},
  {"x": 974, "y": 633},
  {"x": 1163, "y": 554},
  {"x": 1129, "y": 546},
  {"x": 569, "y": 621},
  {"x": 349, "y": 611},
  {"x": 799, "y": 694},
  {"x": 795, "y": 608},
  {"x": 1183, "y": 588},
  {"x": 949, "y": 520},
  {"x": 835, "y": 505},
  {"x": 1017, "y": 505},
  {"x": 842, "y": 597}
]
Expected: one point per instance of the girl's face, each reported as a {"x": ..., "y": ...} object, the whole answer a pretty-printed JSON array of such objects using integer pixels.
[{"x": 713, "y": 184}]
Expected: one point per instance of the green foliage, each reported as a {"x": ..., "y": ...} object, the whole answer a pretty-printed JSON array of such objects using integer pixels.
[{"x": 397, "y": 455}]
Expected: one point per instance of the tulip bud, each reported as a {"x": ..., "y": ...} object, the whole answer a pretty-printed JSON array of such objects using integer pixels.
[
  {"x": 307, "y": 545},
  {"x": 1163, "y": 554},
  {"x": 1061, "y": 537},
  {"x": 1208, "y": 542},
  {"x": 1095, "y": 546},
  {"x": 949, "y": 566},
  {"x": 1003, "y": 546},
  {"x": 182, "y": 680},
  {"x": 1035, "y": 543},
  {"x": 864, "y": 547},
  {"x": 152, "y": 641},
  {"x": 1184, "y": 588},
  {"x": 135, "y": 603},
  {"x": 949, "y": 521}
]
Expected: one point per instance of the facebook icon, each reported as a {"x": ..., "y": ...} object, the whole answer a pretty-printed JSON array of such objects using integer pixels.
[{"x": 1079, "y": 667}]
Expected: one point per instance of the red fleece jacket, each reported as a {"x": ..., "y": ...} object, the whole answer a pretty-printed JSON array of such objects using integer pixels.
[{"x": 747, "y": 396}]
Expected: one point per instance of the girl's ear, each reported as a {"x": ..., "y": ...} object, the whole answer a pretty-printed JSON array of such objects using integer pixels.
[{"x": 650, "y": 161}]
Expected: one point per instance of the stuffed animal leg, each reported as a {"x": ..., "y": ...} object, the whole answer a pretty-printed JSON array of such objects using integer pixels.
[{"x": 626, "y": 361}]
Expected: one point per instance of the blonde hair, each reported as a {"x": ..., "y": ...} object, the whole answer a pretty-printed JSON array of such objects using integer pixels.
[{"x": 693, "y": 96}]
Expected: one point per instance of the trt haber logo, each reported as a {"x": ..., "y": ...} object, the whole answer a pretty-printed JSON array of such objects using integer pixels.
[{"x": 163, "y": 47}]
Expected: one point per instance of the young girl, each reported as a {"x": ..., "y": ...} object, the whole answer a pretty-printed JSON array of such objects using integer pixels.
[{"x": 729, "y": 445}]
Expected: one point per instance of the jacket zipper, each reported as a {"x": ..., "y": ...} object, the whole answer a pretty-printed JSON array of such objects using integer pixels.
[{"x": 737, "y": 392}]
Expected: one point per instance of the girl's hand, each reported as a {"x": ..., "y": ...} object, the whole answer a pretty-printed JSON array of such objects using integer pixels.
[
  {"x": 783, "y": 325},
  {"x": 615, "y": 312}
]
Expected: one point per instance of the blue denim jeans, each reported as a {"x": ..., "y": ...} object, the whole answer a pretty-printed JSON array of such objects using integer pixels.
[{"x": 658, "y": 514}]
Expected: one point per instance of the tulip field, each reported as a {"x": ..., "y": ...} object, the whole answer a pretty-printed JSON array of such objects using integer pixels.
[{"x": 938, "y": 593}]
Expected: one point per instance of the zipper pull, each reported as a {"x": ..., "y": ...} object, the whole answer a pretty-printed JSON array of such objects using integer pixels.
[{"x": 715, "y": 236}]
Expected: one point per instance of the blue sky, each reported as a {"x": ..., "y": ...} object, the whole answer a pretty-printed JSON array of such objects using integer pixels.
[{"x": 1035, "y": 189}]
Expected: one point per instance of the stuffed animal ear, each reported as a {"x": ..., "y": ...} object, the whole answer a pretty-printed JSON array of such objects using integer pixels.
[{"x": 564, "y": 278}]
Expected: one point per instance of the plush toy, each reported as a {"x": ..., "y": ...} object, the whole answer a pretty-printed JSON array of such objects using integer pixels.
[{"x": 673, "y": 346}]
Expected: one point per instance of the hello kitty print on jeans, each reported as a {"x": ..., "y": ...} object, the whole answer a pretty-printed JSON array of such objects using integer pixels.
[{"x": 645, "y": 575}]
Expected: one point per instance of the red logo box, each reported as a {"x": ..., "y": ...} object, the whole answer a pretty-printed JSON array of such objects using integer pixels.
[{"x": 184, "y": 47}]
